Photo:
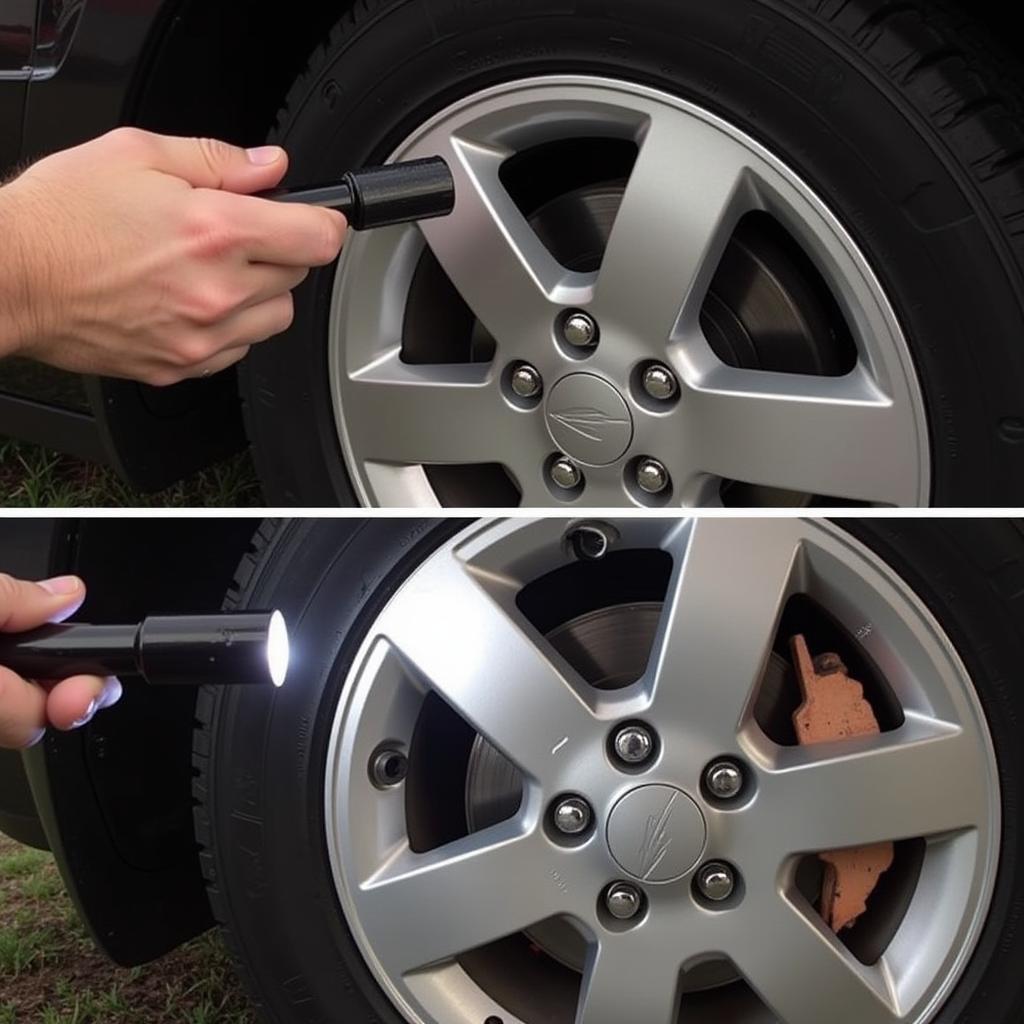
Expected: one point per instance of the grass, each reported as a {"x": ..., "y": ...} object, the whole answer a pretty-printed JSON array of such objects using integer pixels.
[
  {"x": 35, "y": 477},
  {"x": 51, "y": 973}
]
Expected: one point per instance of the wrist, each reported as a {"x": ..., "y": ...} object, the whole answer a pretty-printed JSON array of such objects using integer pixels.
[{"x": 22, "y": 304}]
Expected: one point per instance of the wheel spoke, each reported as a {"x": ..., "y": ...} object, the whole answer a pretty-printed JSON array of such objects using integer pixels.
[
  {"x": 491, "y": 254},
  {"x": 834, "y": 436},
  {"x": 803, "y": 973},
  {"x": 429, "y": 414},
  {"x": 421, "y": 909},
  {"x": 923, "y": 779},
  {"x": 682, "y": 202},
  {"x": 489, "y": 663},
  {"x": 731, "y": 579},
  {"x": 620, "y": 984}
]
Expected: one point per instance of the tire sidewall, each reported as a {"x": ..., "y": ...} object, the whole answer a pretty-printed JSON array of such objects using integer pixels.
[
  {"x": 274, "y": 886},
  {"x": 771, "y": 67}
]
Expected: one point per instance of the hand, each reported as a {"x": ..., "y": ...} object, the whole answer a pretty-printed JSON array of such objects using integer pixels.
[
  {"x": 27, "y": 708},
  {"x": 139, "y": 255}
]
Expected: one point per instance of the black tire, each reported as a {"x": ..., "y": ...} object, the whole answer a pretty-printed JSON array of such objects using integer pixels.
[
  {"x": 894, "y": 111},
  {"x": 260, "y": 758}
]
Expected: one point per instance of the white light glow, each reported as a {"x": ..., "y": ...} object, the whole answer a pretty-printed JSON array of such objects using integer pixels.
[{"x": 277, "y": 649}]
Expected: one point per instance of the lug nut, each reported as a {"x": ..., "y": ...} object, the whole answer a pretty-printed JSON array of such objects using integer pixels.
[
  {"x": 389, "y": 768},
  {"x": 659, "y": 382},
  {"x": 716, "y": 881},
  {"x": 651, "y": 476},
  {"x": 633, "y": 744},
  {"x": 724, "y": 779},
  {"x": 572, "y": 816},
  {"x": 623, "y": 901},
  {"x": 579, "y": 330},
  {"x": 565, "y": 473},
  {"x": 526, "y": 381}
]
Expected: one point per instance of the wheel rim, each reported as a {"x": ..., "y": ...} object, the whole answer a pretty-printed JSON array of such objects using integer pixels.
[
  {"x": 860, "y": 436},
  {"x": 455, "y": 634}
]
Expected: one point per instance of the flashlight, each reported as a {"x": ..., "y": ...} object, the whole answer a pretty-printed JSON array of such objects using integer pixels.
[
  {"x": 166, "y": 650},
  {"x": 376, "y": 196}
]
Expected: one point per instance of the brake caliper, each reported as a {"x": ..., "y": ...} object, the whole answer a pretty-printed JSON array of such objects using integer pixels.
[{"x": 834, "y": 708}]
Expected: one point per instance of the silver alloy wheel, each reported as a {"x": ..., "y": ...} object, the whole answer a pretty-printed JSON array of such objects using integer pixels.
[
  {"x": 862, "y": 436},
  {"x": 453, "y": 629}
]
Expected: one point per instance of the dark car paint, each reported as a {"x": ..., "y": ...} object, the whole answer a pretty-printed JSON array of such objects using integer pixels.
[{"x": 113, "y": 801}]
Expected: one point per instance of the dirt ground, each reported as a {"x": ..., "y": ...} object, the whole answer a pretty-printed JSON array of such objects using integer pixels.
[{"x": 51, "y": 973}]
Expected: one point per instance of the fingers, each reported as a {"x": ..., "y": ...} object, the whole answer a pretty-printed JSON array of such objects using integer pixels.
[
  {"x": 264, "y": 281},
  {"x": 71, "y": 703},
  {"x": 25, "y": 605},
  {"x": 22, "y": 711},
  {"x": 288, "y": 234},
  {"x": 210, "y": 163}
]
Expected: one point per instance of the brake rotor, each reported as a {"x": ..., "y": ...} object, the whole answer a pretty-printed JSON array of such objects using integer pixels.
[{"x": 609, "y": 647}]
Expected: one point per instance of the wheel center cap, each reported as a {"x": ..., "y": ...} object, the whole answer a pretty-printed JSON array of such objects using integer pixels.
[
  {"x": 588, "y": 419},
  {"x": 656, "y": 833}
]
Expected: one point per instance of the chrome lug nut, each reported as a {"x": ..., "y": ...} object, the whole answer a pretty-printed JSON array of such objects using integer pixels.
[
  {"x": 580, "y": 330},
  {"x": 651, "y": 476},
  {"x": 633, "y": 744},
  {"x": 724, "y": 779},
  {"x": 660, "y": 383},
  {"x": 716, "y": 881},
  {"x": 572, "y": 816},
  {"x": 623, "y": 901},
  {"x": 526, "y": 381},
  {"x": 565, "y": 473}
]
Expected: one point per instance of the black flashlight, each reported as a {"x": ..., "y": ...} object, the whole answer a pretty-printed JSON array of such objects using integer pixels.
[
  {"x": 237, "y": 648},
  {"x": 376, "y": 196}
]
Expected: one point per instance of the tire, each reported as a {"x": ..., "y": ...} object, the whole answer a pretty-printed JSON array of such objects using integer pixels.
[
  {"x": 898, "y": 114},
  {"x": 260, "y": 757}
]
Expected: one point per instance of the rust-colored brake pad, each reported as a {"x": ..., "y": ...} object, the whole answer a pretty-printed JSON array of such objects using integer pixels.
[{"x": 834, "y": 708}]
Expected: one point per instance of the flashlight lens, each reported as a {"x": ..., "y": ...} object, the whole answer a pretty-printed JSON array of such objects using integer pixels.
[{"x": 277, "y": 649}]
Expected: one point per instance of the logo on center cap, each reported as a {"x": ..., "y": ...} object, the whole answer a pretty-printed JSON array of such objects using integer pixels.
[
  {"x": 588, "y": 419},
  {"x": 657, "y": 839},
  {"x": 587, "y": 422},
  {"x": 656, "y": 833}
]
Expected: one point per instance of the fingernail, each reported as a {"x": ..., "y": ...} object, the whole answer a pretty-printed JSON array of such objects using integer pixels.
[
  {"x": 62, "y": 585},
  {"x": 111, "y": 694},
  {"x": 87, "y": 717},
  {"x": 35, "y": 739},
  {"x": 263, "y": 155}
]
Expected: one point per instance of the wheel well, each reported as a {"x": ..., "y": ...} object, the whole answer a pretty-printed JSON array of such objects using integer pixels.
[
  {"x": 219, "y": 68},
  {"x": 116, "y": 798}
]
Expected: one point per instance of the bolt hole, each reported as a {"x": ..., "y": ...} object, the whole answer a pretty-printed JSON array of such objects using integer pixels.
[
  {"x": 388, "y": 767},
  {"x": 494, "y": 1020}
]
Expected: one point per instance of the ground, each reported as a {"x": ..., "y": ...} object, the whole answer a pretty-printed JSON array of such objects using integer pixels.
[
  {"x": 35, "y": 477},
  {"x": 50, "y": 972}
]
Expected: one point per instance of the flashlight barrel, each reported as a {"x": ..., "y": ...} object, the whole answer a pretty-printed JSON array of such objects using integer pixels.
[
  {"x": 374, "y": 197},
  {"x": 196, "y": 650},
  {"x": 70, "y": 649},
  {"x": 230, "y": 649}
]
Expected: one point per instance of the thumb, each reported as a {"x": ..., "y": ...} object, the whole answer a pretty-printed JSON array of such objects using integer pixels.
[
  {"x": 211, "y": 163},
  {"x": 25, "y": 605}
]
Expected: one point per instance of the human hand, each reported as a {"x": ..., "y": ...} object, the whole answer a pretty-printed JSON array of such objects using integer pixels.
[
  {"x": 141, "y": 256},
  {"x": 27, "y": 708}
]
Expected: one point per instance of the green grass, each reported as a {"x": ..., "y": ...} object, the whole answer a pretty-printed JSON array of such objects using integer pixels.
[
  {"x": 35, "y": 477},
  {"x": 51, "y": 973},
  {"x": 20, "y": 862}
]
